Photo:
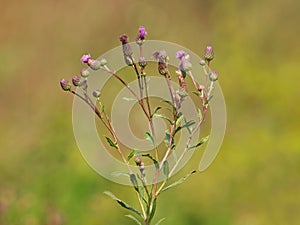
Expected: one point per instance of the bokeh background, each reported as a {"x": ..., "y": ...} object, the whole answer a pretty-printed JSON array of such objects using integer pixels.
[{"x": 255, "y": 179}]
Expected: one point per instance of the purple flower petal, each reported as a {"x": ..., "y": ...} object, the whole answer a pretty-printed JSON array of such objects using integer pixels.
[
  {"x": 85, "y": 58},
  {"x": 180, "y": 54},
  {"x": 142, "y": 32}
]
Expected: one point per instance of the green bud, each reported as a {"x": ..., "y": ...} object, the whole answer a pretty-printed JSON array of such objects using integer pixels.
[
  {"x": 85, "y": 72},
  {"x": 96, "y": 93},
  {"x": 202, "y": 62},
  {"x": 213, "y": 76},
  {"x": 209, "y": 53},
  {"x": 103, "y": 62},
  {"x": 94, "y": 64},
  {"x": 76, "y": 80}
]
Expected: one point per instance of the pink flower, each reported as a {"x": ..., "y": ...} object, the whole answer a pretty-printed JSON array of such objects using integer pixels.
[
  {"x": 142, "y": 33},
  {"x": 85, "y": 58},
  {"x": 180, "y": 54}
]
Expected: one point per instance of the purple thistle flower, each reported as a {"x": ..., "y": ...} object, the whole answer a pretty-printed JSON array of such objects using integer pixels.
[
  {"x": 184, "y": 62},
  {"x": 85, "y": 58},
  {"x": 180, "y": 54},
  {"x": 124, "y": 39},
  {"x": 142, "y": 33}
]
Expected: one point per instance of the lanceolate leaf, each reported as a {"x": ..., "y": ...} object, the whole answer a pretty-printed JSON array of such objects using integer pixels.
[
  {"x": 186, "y": 125},
  {"x": 159, "y": 222},
  {"x": 119, "y": 173},
  {"x": 134, "y": 182},
  {"x": 166, "y": 169},
  {"x": 134, "y": 219},
  {"x": 132, "y": 154},
  {"x": 170, "y": 103},
  {"x": 181, "y": 180},
  {"x": 207, "y": 101},
  {"x": 123, "y": 204},
  {"x": 129, "y": 99},
  {"x": 149, "y": 138},
  {"x": 157, "y": 115},
  {"x": 111, "y": 143},
  {"x": 156, "y": 109},
  {"x": 152, "y": 210},
  {"x": 201, "y": 142}
]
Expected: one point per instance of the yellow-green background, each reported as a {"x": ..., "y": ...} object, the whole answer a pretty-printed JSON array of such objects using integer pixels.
[{"x": 255, "y": 179}]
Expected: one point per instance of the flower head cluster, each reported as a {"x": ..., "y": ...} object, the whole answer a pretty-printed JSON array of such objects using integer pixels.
[{"x": 148, "y": 194}]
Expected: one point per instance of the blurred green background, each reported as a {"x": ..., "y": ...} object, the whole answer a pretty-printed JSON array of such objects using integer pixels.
[{"x": 255, "y": 179}]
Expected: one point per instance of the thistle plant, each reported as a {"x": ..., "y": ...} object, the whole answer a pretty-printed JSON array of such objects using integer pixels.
[{"x": 148, "y": 189}]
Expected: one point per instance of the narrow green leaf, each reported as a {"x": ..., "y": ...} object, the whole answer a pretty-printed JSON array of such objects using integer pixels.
[
  {"x": 157, "y": 115},
  {"x": 160, "y": 221},
  {"x": 166, "y": 169},
  {"x": 207, "y": 101},
  {"x": 111, "y": 143},
  {"x": 196, "y": 93},
  {"x": 186, "y": 125},
  {"x": 178, "y": 121},
  {"x": 201, "y": 142},
  {"x": 152, "y": 210},
  {"x": 150, "y": 157},
  {"x": 123, "y": 204},
  {"x": 169, "y": 103},
  {"x": 149, "y": 138},
  {"x": 134, "y": 182},
  {"x": 118, "y": 173},
  {"x": 156, "y": 109},
  {"x": 132, "y": 154},
  {"x": 181, "y": 180},
  {"x": 167, "y": 139},
  {"x": 134, "y": 219},
  {"x": 199, "y": 114},
  {"x": 129, "y": 99},
  {"x": 102, "y": 109}
]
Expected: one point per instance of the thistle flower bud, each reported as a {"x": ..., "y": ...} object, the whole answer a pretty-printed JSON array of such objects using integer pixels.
[
  {"x": 85, "y": 58},
  {"x": 76, "y": 80},
  {"x": 94, "y": 64},
  {"x": 128, "y": 60},
  {"x": 142, "y": 62},
  {"x": 85, "y": 72},
  {"x": 96, "y": 93},
  {"x": 213, "y": 75},
  {"x": 162, "y": 58},
  {"x": 138, "y": 161},
  {"x": 103, "y": 62},
  {"x": 83, "y": 85},
  {"x": 142, "y": 168},
  {"x": 127, "y": 51},
  {"x": 209, "y": 53},
  {"x": 124, "y": 39},
  {"x": 202, "y": 62},
  {"x": 65, "y": 85}
]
